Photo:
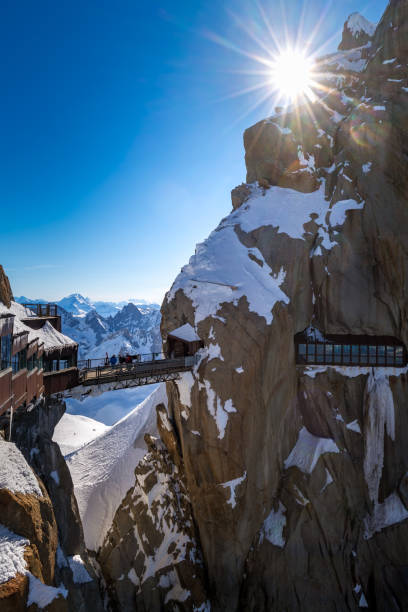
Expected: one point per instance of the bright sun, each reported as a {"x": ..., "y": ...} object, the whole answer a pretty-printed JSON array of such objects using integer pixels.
[{"x": 292, "y": 74}]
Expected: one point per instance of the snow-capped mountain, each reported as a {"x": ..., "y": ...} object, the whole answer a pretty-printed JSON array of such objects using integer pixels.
[
  {"x": 129, "y": 331},
  {"x": 76, "y": 304},
  {"x": 79, "y": 306},
  {"x": 108, "y": 327},
  {"x": 357, "y": 31}
]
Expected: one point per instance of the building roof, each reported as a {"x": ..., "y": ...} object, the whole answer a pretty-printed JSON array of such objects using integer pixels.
[
  {"x": 46, "y": 335},
  {"x": 186, "y": 332}
]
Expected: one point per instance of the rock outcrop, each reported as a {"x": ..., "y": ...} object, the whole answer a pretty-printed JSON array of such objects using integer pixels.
[
  {"x": 6, "y": 294},
  {"x": 58, "y": 568},
  {"x": 297, "y": 476},
  {"x": 357, "y": 31},
  {"x": 28, "y": 536}
]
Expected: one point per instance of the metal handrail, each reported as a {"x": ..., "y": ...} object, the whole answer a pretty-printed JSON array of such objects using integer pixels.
[
  {"x": 41, "y": 310},
  {"x": 135, "y": 359},
  {"x": 141, "y": 368}
]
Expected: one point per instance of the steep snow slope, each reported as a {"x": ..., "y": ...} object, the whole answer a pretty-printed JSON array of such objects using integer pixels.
[
  {"x": 103, "y": 470},
  {"x": 74, "y": 431},
  {"x": 111, "y": 406}
]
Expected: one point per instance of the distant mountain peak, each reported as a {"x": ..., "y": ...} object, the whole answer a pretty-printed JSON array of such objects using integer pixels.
[
  {"x": 76, "y": 304},
  {"x": 357, "y": 31}
]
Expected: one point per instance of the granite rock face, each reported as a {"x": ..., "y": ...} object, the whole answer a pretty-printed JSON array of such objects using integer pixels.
[
  {"x": 297, "y": 476},
  {"x": 151, "y": 558},
  {"x": 6, "y": 294}
]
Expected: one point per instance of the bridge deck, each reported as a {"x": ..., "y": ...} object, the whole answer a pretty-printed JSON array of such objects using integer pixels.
[{"x": 149, "y": 371}]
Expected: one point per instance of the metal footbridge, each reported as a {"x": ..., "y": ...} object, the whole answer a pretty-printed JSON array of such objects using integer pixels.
[
  {"x": 94, "y": 376},
  {"x": 135, "y": 373}
]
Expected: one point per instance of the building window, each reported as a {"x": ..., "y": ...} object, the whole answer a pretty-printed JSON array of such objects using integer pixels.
[
  {"x": 5, "y": 351},
  {"x": 19, "y": 361},
  {"x": 313, "y": 348},
  {"x": 31, "y": 363}
]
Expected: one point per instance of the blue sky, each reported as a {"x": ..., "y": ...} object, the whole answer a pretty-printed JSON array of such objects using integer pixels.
[{"x": 121, "y": 136}]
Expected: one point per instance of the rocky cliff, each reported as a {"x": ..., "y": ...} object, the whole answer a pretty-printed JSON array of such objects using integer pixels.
[
  {"x": 44, "y": 562},
  {"x": 297, "y": 476},
  {"x": 6, "y": 294}
]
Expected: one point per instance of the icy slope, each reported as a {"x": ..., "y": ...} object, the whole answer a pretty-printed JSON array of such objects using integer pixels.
[
  {"x": 74, "y": 431},
  {"x": 103, "y": 470}
]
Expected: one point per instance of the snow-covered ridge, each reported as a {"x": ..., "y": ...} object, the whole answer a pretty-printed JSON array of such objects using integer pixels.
[
  {"x": 103, "y": 470},
  {"x": 73, "y": 431},
  {"x": 356, "y": 23}
]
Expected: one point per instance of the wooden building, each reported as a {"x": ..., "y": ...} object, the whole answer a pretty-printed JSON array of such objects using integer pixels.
[
  {"x": 31, "y": 343},
  {"x": 183, "y": 341},
  {"x": 38, "y": 314},
  {"x": 6, "y": 374}
]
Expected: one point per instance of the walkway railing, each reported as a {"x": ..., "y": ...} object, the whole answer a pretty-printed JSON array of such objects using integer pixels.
[
  {"x": 41, "y": 310},
  {"x": 156, "y": 368},
  {"x": 134, "y": 359}
]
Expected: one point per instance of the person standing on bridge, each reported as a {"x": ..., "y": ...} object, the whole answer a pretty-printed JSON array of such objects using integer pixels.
[{"x": 113, "y": 360}]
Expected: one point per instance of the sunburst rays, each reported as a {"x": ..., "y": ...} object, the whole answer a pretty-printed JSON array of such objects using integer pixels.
[{"x": 273, "y": 54}]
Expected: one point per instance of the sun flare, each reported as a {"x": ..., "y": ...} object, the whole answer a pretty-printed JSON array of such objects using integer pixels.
[{"x": 292, "y": 74}]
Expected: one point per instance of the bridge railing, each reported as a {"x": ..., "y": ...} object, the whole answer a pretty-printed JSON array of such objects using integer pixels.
[
  {"x": 41, "y": 310},
  {"x": 136, "y": 369},
  {"x": 134, "y": 359}
]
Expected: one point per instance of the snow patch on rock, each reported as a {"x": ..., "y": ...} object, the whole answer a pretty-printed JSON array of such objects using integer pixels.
[
  {"x": 184, "y": 386},
  {"x": 329, "y": 480},
  {"x": 307, "y": 451},
  {"x": 15, "y": 473},
  {"x": 12, "y": 549},
  {"x": 339, "y": 210},
  {"x": 391, "y": 512},
  {"x": 232, "y": 485},
  {"x": 41, "y": 594},
  {"x": 78, "y": 569},
  {"x": 354, "y": 426},
  {"x": 273, "y": 526},
  {"x": 219, "y": 410},
  {"x": 379, "y": 418}
]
